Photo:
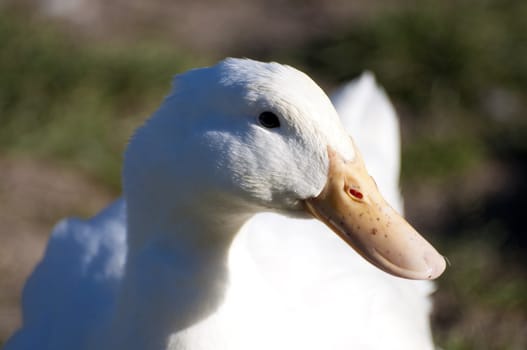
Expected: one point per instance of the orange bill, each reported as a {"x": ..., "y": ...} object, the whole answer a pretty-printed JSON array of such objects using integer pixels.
[{"x": 352, "y": 206}]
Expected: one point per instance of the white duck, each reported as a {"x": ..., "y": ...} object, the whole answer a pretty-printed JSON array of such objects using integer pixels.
[{"x": 158, "y": 269}]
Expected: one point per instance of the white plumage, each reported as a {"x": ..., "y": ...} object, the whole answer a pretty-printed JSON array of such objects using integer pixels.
[{"x": 284, "y": 283}]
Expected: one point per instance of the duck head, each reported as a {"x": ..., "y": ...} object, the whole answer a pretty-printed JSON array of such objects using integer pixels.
[{"x": 244, "y": 136}]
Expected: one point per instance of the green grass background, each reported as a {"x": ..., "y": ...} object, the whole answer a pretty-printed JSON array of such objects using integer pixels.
[{"x": 457, "y": 72}]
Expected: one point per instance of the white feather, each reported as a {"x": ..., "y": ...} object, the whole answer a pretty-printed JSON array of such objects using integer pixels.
[{"x": 284, "y": 283}]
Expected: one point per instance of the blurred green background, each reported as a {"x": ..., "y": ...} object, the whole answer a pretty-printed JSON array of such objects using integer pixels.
[{"x": 76, "y": 78}]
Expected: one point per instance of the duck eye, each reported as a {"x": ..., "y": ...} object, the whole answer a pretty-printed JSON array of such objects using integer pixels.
[{"x": 269, "y": 120}]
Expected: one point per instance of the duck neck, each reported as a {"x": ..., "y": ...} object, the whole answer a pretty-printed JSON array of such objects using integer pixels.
[{"x": 176, "y": 270}]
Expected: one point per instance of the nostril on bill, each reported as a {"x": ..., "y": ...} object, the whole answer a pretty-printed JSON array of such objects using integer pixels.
[{"x": 357, "y": 194}]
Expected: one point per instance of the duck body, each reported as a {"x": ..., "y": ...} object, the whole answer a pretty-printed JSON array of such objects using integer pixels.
[
  {"x": 146, "y": 273},
  {"x": 292, "y": 292}
]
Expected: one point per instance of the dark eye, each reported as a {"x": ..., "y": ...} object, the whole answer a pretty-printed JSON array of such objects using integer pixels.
[{"x": 269, "y": 120}]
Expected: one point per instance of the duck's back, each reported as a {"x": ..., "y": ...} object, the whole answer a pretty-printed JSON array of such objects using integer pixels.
[{"x": 71, "y": 292}]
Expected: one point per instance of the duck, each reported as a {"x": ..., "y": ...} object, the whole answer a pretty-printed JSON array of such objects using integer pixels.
[{"x": 249, "y": 220}]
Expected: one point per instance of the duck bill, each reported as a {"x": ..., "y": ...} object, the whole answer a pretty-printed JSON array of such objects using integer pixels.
[{"x": 352, "y": 206}]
